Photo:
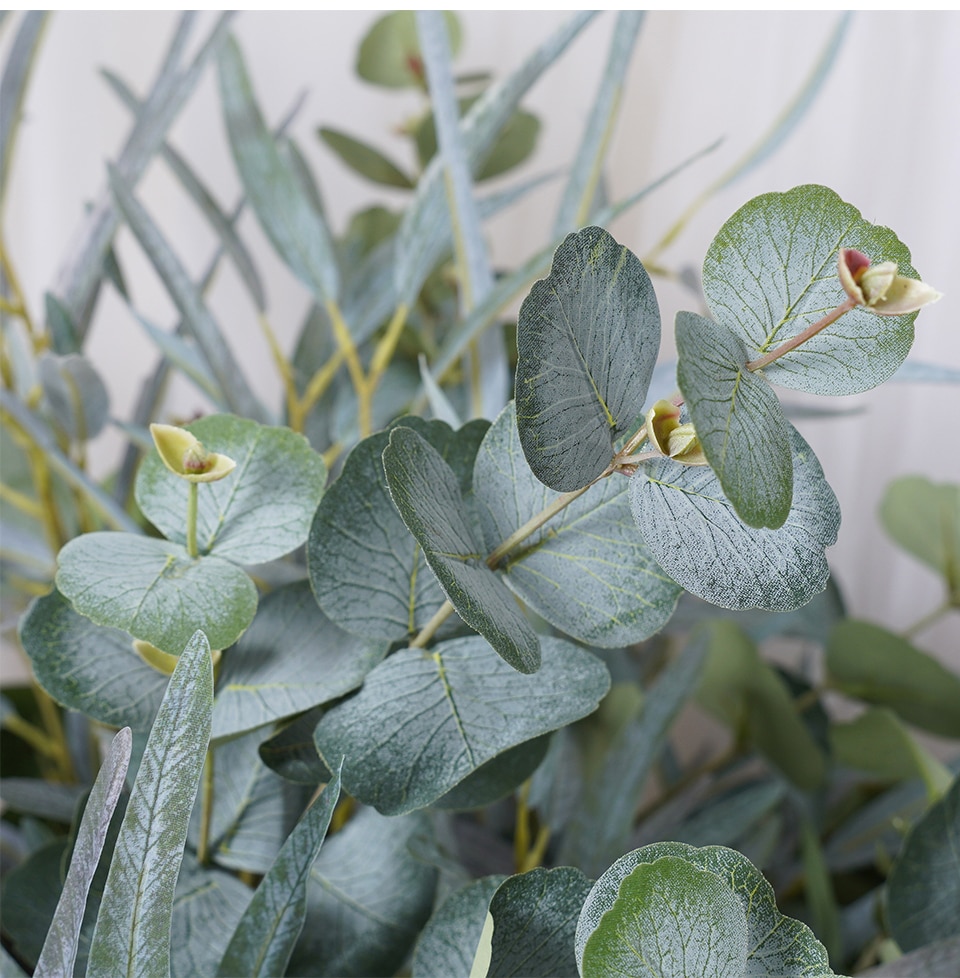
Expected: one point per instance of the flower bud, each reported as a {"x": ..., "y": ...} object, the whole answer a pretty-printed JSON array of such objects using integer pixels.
[
  {"x": 671, "y": 438},
  {"x": 184, "y": 455},
  {"x": 880, "y": 287}
]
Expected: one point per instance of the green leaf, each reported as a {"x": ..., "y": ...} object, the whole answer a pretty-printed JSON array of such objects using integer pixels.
[
  {"x": 182, "y": 352},
  {"x": 739, "y": 420},
  {"x": 670, "y": 920},
  {"x": 30, "y": 893},
  {"x": 923, "y": 892},
  {"x": 427, "y": 494},
  {"x": 390, "y": 55},
  {"x": 771, "y": 271},
  {"x": 587, "y": 337},
  {"x": 9, "y": 967},
  {"x": 564, "y": 571},
  {"x": 923, "y": 517},
  {"x": 60, "y": 948},
  {"x": 698, "y": 539},
  {"x": 292, "y": 753},
  {"x": 747, "y": 695},
  {"x": 261, "y": 511},
  {"x": 931, "y": 961},
  {"x": 723, "y": 821},
  {"x": 868, "y": 662},
  {"x": 290, "y": 659},
  {"x": 773, "y": 945},
  {"x": 819, "y": 890},
  {"x": 88, "y": 667},
  {"x": 367, "y": 573},
  {"x": 77, "y": 396},
  {"x": 534, "y": 923},
  {"x": 132, "y": 935},
  {"x": 368, "y": 898},
  {"x": 154, "y": 590},
  {"x": 423, "y": 722},
  {"x": 63, "y": 333},
  {"x": 364, "y": 159},
  {"x": 447, "y": 944},
  {"x": 290, "y": 221},
  {"x": 497, "y": 778},
  {"x": 266, "y": 934}
]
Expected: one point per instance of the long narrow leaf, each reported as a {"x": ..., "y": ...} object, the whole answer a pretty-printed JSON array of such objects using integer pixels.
[
  {"x": 577, "y": 197},
  {"x": 266, "y": 934},
  {"x": 187, "y": 359},
  {"x": 60, "y": 947},
  {"x": 205, "y": 331},
  {"x": 132, "y": 935},
  {"x": 13, "y": 87},
  {"x": 291, "y": 223}
]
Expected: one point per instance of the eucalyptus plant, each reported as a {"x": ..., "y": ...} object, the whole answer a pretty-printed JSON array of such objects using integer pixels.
[{"x": 390, "y": 691}]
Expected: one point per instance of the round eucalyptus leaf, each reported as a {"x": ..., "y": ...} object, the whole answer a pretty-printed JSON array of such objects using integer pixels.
[
  {"x": 587, "y": 339},
  {"x": 697, "y": 538},
  {"x": 771, "y": 271},
  {"x": 259, "y": 512},
  {"x": 390, "y": 53},
  {"x": 152, "y": 589}
]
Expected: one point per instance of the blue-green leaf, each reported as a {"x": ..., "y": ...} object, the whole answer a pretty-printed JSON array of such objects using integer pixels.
[{"x": 77, "y": 396}]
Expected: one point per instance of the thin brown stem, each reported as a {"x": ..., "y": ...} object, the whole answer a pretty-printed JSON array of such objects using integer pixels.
[{"x": 804, "y": 335}]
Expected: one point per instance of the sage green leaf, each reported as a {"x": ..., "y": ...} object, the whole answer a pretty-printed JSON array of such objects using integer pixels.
[
  {"x": 34, "y": 796},
  {"x": 264, "y": 938},
  {"x": 63, "y": 332},
  {"x": 152, "y": 589},
  {"x": 292, "y": 753},
  {"x": 670, "y": 920},
  {"x": 923, "y": 891},
  {"x": 423, "y": 722},
  {"x": 447, "y": 944},
  {"x": 77, "y": 396},
  {"x": 290, "y": 659},
  {"x": 88, "y": 667},
  {"x": 427, "y": 494},
  {"x": 931, "y": 961},
  {"x": 698, "y": 539},
  {"x": 869, "y": 663},
  {"x": 739, "y": 420},
  {"x": 365, "y": 159},
  {"x": 564, "y": 571},
  {"x": 534, "y": 923},
  {"x": 771, "y": 271},
  {"x": 8, "y": 965},
  {"x": 497, "y": 778},
  {"x": 261, "y": 511},
  {"x": 923, "y": 517},
  {"x": 30, "y": 894},
  {"x": 722, "y": 821},
  {"x": 368, "y": 574},
  {"x": 819, "y": 891},
  {"x": 390, "y": 55},
  {"x": 181, "y": 351},
  {"x": 367, "y": 900},
  {"x": 288, "y": 218},
  {"x": 587, "y": 340},
  {"x": 207, "y": 907},
  {"x": 748, "y": 696},
  {"x": 60, "y": 947},
  {"x": 132, "y": 935},
  {"x": 775, "y": 945}
]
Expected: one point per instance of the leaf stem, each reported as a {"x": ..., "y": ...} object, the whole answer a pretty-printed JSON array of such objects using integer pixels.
[
  {"x": 430, "y": 629},
  {"x": 927, "y": 620},
  {"x": 804, "y": 335},
  {"x": 192, "y": 488},
  {"x": 206, "y": 810}
]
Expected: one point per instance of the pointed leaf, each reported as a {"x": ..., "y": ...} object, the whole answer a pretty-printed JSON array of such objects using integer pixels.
[
  {"x": 266, "y": 934},
  {"x": 365, "y": 159},
  {"x": 739, "y": 420},
  {"x": 427, "y": 493},
  {"x": 154, "y": 590},
  {"x": 258, "y": 513},
  {"x": 422, "y": 723},
  {"x": 564, "y": 571},
  {"x": 133, "y": 927},
  {"x": 76, "y": 395},
  {"x": 771, "y": 272},
  {"x": 63, "y": 332},
  {"x": 698, "y": 539},
  {"x": 60, "y": 948},
  {"x": 587, "y": 338},
  {"x": 183, "y": 353}
]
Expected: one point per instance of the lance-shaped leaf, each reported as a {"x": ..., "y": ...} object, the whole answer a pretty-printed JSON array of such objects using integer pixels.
[
  {"x": 698, "y": 539},
  {"x": 367, "y": 573},
  {"x": 286, "y": 214},
  {"x": 60, "y": 948},
  {"x": 587, "y": 339},
  {"x": 771, "y": 271},
  {"x": 768, "y": 944},
  {"x": 290, "y": 659},
  {"x": 77, "y": 396},
  {"x": 427, "y": 494},
  {"x": 923, "y": 892},
  {"x": 154, "y": 590},
  {"x": 566, "y": 571},
  {"x": 266, "y": 934},
  {"x": 739, "y": 420},
  {"x": 132, "y": 935},
  {"x": 261, "y": 511},
  {"x": 365, "y": 159},
  {"x": 423, "y": 722},
  {"x": 89, "y": 667}
]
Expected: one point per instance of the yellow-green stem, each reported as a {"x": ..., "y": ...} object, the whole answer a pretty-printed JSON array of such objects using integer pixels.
[
  {"x": 50, "y": 713},
  {"x": 192, "y": 518},
  {"x": 430, "y": 629},
  {"x": 206, "y": 810},
  {"x": 357, "y": 376}
]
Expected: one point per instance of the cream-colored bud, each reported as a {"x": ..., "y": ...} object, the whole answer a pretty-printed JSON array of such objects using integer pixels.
[{"x": 184, "y": 455}]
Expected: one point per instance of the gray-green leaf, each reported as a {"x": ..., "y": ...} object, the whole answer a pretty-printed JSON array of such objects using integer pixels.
[
  {"x": 77, "y": 396},
  {"x": 587, "y": 338}
]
